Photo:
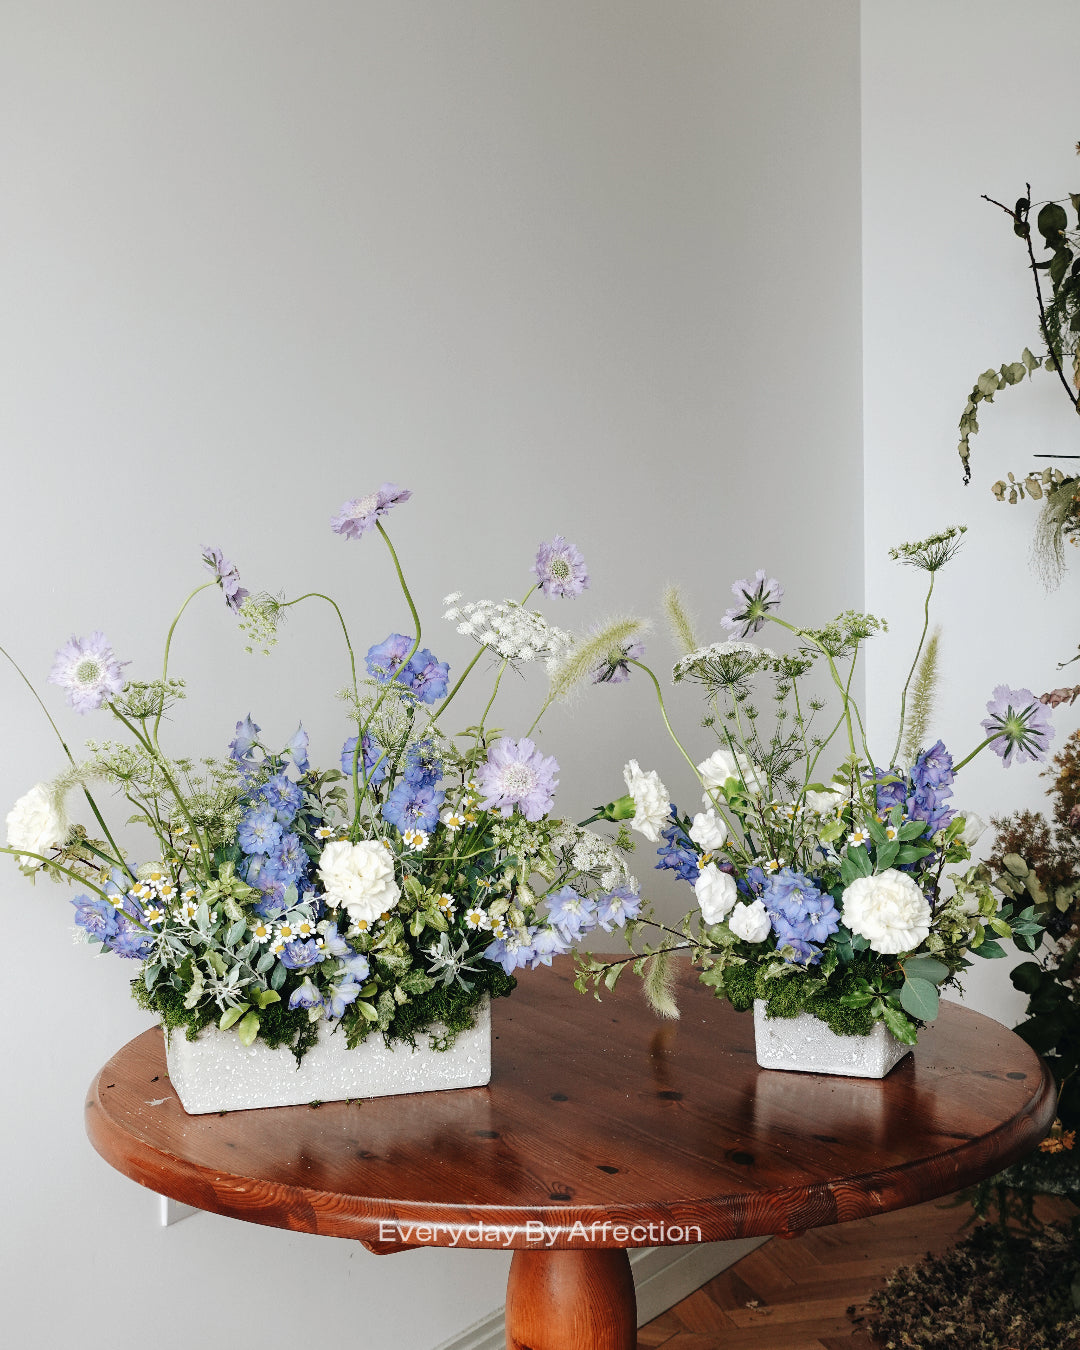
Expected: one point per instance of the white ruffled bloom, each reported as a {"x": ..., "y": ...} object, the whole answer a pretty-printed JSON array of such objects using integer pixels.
[
  {"x": 716, "y": 892},
  {"x": 750, "y": 922},
  {"x": 359, "y": 877},
  {"x": 708, "y": 830},
  {"x": 36, "y": 822},
  {"x": 824, "y": 803},
  {"x": 717, "y": 769},
  {"x": 974, "y": 828},
  {"x": 888, "y": 910},
  {"x": 750, "y": 775},
  {"x": 652, "y": 805}
]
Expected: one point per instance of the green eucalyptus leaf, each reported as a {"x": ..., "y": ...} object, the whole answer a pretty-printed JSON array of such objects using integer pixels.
[
  {"x": 926, "y": 968},
  {"x": 920, "y": 999}
]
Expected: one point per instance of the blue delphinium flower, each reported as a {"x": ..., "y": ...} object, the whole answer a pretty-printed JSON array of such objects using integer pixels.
[
  {"x": 616, "y": 907},
  {"x": 284, "y": 796},
  {"x": 890, "y": 787},
  {"x": 297, "y": 749},
  {"x": 931, "y": 780},
  {"x": 300, "y": 954},
  {"x": 359, "y": 515},
  {"x": 287, "y": 863},
  {"x": 340, "y": 996},
  {"x": 800, "y": 913},
  {"x": 96, "y": 917},
  {"x": 305, "y": 996},
  {"x": 273, "y": 903},
  {"x": 933, "y": 768},
  {"x": 385, "y": 659},
  {"x": 422, "y": 763},
  {"x": 427, "y": 677},
  {"x": 259, "y": 831},
  {"x": 514, "y": 951},
  {"x": 547, "y": 942},
  {"x": 413, "y": 806},
  {"x": 753, "y": 882},
  {"x": 356, "y": 964},
  {"x": 130, "y": 940},
  {"x": 574, "y": 915},
  {"x": 242, "y": 745},
  {"x": 678, "y": 854},
  {"x": 374, "y": 760}
]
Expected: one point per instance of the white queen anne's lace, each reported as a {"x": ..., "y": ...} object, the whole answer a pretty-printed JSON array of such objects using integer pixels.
[{"x": 516, "y": 633}]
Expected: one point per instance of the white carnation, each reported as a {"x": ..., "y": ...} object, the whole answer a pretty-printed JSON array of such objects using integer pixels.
[
  {"x": 717, "y": 769},
  {"x": 750, "y": 922},
  {"x": 708, "y": 830},
  {"x": 359, "y": 877},
  {"x": 652, "y": 805},
  {"x": 888, "y": 910},
  {"x": 36, "y": 822},
  {"x": 716, "y": 892}
]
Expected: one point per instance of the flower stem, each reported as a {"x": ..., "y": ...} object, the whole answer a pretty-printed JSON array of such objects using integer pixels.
[
  {"x": 663, "y": 713},
  {"x": 168, "y": 643},
  {"x": 981, "y": 746},
  {"x": 318, "y": 595},
  {"x": 27, "y": 853}
]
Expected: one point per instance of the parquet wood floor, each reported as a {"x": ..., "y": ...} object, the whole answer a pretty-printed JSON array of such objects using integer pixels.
[{"x": 794, "y": 1294}]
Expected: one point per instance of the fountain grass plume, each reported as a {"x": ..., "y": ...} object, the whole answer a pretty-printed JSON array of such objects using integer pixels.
[
  {"x": 578, "y": 666},
  {"x": 1047, "y": 545},
  {"x": 659, "y": 984},
  {"x": 923, "y": 695},
  {"x": 680, "y": 622}
]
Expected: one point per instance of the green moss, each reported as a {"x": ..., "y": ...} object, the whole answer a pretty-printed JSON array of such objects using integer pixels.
[
  {"x": 451, "y": 1005},
  {"x": 740, "y": 987},
  {"x": 278, "y": 1025},
  {"x": 801, "y": 991}
]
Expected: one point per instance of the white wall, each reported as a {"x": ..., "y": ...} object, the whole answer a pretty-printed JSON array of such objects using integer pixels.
[
  {"x": 578, "y": 266},
  {"x": 946, "y": 295}
]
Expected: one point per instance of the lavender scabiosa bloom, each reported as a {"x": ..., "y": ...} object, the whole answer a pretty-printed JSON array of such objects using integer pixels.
[
  {"x": 756, "y": 597},
  {"x": 374, "y": 760},
  {"x": 358, "y": 516},
  {"x": 88, "y": 671},
  {"x": 617, "y": 906},
  {"x": 414, "y": 806},
  {"x": 1019, "y": 724},
  {"x": 615, "y": 667},
  {"x": 560, "y": 568},
  {"x": 259, "y": 831},
  {"x": 516, "y": 773},
  {"x": 227, "y": 577}
]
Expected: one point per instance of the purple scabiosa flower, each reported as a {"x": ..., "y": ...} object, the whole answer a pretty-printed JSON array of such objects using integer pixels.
[
  {"x": 413, "y": 806},
  {"x": 227, "y": 577},
  {"x": 283, "y": 797},
  {"x": 516, "y": 773},
  {"x": 422, "y": 763},
  {"x": 358, "y": 516},
  {"x": 678, "y": 854},
  {"x": 305, "y": 996},
  {"x": 386, "y": 658},
  {"x": 574, "y": 915},
  {"x": 300, "y": 955},
  {"x": 427, "y": 678},
  {"x": 560, "y": 568},
  {"x": 259, "y": 831},
  {"x": 96, "y": 917},
  {"x": 88, "y": 671},
  {"x": 340, "y": 996},
  {"x": 617, "y": 906},
  {"x": 1019, "y": 724},
  {"x": 615, "y": 667},
  {"x": 755, "y": 598},
  {"x": 374, "y": 760},
  {"x": 514, "y": 951}
]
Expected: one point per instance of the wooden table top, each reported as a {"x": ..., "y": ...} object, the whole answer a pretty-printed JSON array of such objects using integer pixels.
[{"x": 596, "y": 1113}]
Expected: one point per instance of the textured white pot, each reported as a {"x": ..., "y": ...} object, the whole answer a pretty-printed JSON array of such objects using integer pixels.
[
  {"x": 218, "y": 1073},
  {"x": 808, "y": 1046}
]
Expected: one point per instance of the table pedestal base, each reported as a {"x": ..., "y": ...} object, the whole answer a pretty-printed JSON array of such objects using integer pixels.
[{"x": 571, "y": 1300}]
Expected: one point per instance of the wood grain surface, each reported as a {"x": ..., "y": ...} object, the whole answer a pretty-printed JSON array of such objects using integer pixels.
[{"x": 598, "y": 1120}]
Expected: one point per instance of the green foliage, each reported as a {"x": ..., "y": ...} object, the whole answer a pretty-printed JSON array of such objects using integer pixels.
[{"x": 451, "y": 1005}]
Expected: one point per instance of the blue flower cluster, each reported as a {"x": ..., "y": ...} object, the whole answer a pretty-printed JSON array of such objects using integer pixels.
[
  {"x": 924, "y": 792},
  {"x": 678, "y": 853},
  {"x": 570, "y": 917},
  {"x": 113, "y": 927},
  {"x": 422, "y": 676},
  {"x": 802, "y": 916},
  {"x": 416, "y": 800}
]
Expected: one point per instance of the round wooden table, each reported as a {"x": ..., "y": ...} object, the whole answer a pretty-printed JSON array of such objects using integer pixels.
[{"x": 601, "y": 1129}]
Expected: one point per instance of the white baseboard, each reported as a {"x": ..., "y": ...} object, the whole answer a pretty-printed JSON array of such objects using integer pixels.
[{"x": 663, "y": 1276}]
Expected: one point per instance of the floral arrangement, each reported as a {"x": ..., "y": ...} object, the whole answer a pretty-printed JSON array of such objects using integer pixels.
[
  {"x": 845, "y": 897},
  {"x": 391, "y": 892}
]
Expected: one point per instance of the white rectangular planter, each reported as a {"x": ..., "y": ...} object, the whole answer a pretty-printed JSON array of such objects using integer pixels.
[
  {"x": 218, "y": 1073},
  {"x": 809, "y": 1046}
]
